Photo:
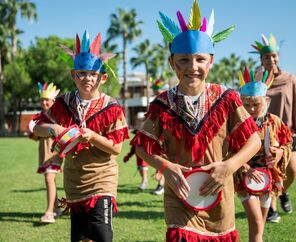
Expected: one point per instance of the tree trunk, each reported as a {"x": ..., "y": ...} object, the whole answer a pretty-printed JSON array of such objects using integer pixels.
[
  {"x": 147, "y": 87},
  {"x": 2, "y": 112},
  {"x": 14, "y": 40},
  {"x": 125, "y": 84}
]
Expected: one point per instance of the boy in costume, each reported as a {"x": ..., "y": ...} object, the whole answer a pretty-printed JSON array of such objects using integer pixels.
[
  {"x": 281, "y": 102},
  {"x": 272, "y": 159},
  {"x": 49, "y": 162},
  {"x": 196, "y": 124},
  {"x": 91, "y": 171}
]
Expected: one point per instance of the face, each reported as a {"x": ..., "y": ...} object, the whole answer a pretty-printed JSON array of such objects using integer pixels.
[
  {"x": 254, "y": 105},
  {"x": 191, "y": 69},
  {"x": 88, "y": 82},
  {"x": 46, "y": 103},
  {"x": 270, "y": 62}
]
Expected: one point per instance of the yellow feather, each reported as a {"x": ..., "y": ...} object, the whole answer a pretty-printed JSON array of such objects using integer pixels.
[
  {"x": 241, "y": 79},
  {"x": 194, "y": 19}
]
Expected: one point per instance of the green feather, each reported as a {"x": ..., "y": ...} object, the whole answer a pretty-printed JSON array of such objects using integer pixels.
[
  {"x": 223, "y": 34},
  {"x": 265, "y": 75},
  {"x": 252, "y": 75},
  {"x": 107, "y": 67},
  {"x": 259, "y": 45},
  {"x": 166, "y": 34},
  {"x": 66, "y": 58}
]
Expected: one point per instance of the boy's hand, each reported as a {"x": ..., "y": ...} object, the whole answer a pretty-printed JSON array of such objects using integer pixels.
[
  {"x": 87, "y": 136},
  {"x": 175, "y": 179},
  {"x": 220, "y": 172},
  {"x": 276, "y": 156}
]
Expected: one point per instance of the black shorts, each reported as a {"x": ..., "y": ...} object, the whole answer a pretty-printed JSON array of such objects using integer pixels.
[
  {"x": 95, "y": 224},
  {"x": 294, "y": 144}
]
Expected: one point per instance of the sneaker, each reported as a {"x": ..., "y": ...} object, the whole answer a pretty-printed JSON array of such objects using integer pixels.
[
  {"x": 143, "y": 186},
  {"x": 57, "y": 213},
  {"x": 47, "y": 218},
  {"x": 273, "y": 216},
  {"x": 286, "y": 203},
  {"x": 159, "y": 190}
]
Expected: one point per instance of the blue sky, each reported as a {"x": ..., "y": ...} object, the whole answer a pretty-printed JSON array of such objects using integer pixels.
[{"x": 64, "y": 18}]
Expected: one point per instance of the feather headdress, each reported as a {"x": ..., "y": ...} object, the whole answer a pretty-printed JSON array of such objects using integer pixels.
[
  {"x": 267, "y": 46},
  {"x": 88, "y": 56},
  {"x": 48, "y": 91},
  {"x": 159, "y": 85},
  {"x": 194, "y": 36},
  {"x": 255, "y": 84}
]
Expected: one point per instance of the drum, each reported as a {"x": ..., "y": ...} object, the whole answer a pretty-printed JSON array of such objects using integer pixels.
[
  {"x": 67, "y": 141},
  {"x": 256, "y": 188},
  {"x": 195, "y": 201}
]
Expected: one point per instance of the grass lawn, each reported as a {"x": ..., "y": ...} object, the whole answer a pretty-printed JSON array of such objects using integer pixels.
[{"x": 23, "y": 201}]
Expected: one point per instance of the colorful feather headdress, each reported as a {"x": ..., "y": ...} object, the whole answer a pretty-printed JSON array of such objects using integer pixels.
[
  {"x": 255, "y": 85},
  {"x": 48, "y": 91},
  {"x": 88, "y": 57},
  {"x": 160, "y": 85},
  {"x": 267, "y": 46},
  {"x": 195, "y": 37}
]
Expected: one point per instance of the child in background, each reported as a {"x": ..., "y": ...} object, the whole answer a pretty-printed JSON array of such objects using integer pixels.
[
  {"x": 49, "y": 162},
  {"x": 90, "y": 172},
  {"x": 273, "y": 156}
]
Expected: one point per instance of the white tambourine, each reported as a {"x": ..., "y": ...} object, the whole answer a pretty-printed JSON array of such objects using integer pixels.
[
  {"x": 31, "y": 125},
  {"x": 195, "y": 201},
  {"x": 255, "y": 187}
]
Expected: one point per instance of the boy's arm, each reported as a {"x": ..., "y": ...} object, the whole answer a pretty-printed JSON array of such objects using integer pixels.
[
  {"x": 173, "y": 173},
  {"x": 47, "y": 130},
  {"x": 222, "y": 171}
]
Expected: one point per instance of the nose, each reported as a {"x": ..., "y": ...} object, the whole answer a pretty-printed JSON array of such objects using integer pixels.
[{"x": 193, "y": 65}]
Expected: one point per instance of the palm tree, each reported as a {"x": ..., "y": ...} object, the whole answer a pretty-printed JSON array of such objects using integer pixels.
[
  {"x": 144, "y": 53},
  {"x": 8, "y": 15},
  {"x": 27, "y": 10},
  {"x": 125, "y": 26}
]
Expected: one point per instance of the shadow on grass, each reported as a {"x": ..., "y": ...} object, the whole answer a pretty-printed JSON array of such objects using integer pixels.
[
  {"x": 139, "y": 215},
  {"x": 150, "y": 203},
  {"x": 34, "y": 190},
  {"x": 240, "y": 215},
  {"x": 22, "y": 217},
  {"x": 130, "y": 189}
]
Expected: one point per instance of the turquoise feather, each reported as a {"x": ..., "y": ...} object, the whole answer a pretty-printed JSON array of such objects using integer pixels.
[
  {"x": 170, "y": 25},
  {"x": 166, "y": 34},
  {"x": 85, "y": 43}
]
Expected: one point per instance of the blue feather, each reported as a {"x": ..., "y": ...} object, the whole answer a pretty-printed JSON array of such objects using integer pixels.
[
  {"x": 40, "y": 87},
  {"x": 85, "y": 43},
  {"x": 170, "y": 25}
]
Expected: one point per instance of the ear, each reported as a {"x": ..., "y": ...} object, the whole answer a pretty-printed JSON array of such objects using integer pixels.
[
  {"x": 103, "y": 78},
  {"x": 171, "y": 61},
  {"x": 211, "y": 63},
  {"x": 73, "y": 75}
]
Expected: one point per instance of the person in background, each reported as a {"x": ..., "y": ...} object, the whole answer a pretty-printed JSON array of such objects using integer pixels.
[
  {"x": 281, "y": 102},
  {"x": 49, "y": 162},
  {"x": 271, "y": 160}
]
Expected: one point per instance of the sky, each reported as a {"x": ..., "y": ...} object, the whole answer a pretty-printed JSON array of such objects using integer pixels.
[{"x": 65, "y": 18}]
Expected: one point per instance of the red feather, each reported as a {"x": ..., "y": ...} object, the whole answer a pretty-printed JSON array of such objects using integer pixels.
[
  {"x": 255, "y": 47},
  {"x": 77, "y": 50},
  {"x": 247, "y": 77},
  {"x": 45, "y": 86},
  {"x": 269, "y": 78},
  {"x": 96, "y": 45}
]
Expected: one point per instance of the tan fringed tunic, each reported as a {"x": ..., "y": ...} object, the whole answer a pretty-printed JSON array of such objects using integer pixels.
[
  {"x": 220, "y": 127},
  {"x": 281, "y": 137},
  {"x": 89, "y": 172}
]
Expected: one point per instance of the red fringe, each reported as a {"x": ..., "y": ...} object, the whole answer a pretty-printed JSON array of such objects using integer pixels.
[
  {"x": 284, "y": 135},
  {"x": 196, "y": 143},
  {"x": 150, "y": 145},
  {"x": 84, "y": 205},
  {"x": 43, "y": 169},
  {"x": 239, "y": 137},
  {"x": 119, "y": 135},
  {"x": 177, "y": 234}
]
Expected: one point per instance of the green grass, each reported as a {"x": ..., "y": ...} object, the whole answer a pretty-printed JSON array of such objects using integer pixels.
[{"x": 23, "y": 201}]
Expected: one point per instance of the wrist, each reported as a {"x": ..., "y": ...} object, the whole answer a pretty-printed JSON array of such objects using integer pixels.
[
  {"x": 50, "y": 130},
  {"x": 163, "y": 167}
]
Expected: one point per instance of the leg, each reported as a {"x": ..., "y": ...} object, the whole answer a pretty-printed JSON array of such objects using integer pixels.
[
  {"x": 51, "y": 192},
  {"x": 291, "y": 174},
  {"x": 255, "y": 219}
]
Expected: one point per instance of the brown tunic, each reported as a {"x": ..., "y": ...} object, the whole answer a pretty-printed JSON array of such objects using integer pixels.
[{"x": 282, "y": 99}]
